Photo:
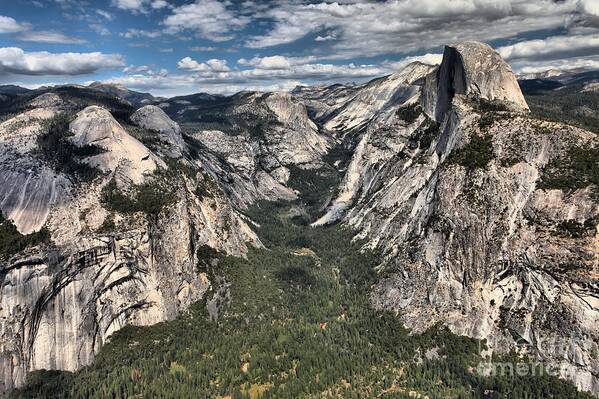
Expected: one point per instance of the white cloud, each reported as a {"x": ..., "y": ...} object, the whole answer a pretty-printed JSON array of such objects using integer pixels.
[
  {"x": 158, "y": 4},
  {"x": 364, "y": 28},
  {"x": 590, "y": 7},
  {"x": 265, "y": 72},
  {"x": 105, "y": 14},
  {"x": 171, "y": 85},
  {"x": 49, "y": 37},
  {"x": 132, "y": 33},
  {"x": 9, "y": 25},
  {"x": 430, "y": 59},
  {"x": 209, "y": 19},
  {"x": 570, "y": 64},
  {"x": 204, "y": 48},
  {"x": 326, "y": 38},
  {"x": 132, "y": 69},
  {"x": 269, "y": 73},
  {"x": 144, "y": 69},
  {"x": 140, "y": 6},
  {"x": 212, "y": 65},
  {"x": 273, "y": 62},
  {"x": 138, "y": 45},
  {"x": 579, "y": 50},
  {"x": 14, "y": 60},
  {"x": 276, "y": 61},
  {"x": 556, "y": 46},
  {"x": 130, "y": 5}
]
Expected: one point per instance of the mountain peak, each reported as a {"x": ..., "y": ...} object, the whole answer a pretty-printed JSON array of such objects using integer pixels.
[{"x": 472, "y": 69}]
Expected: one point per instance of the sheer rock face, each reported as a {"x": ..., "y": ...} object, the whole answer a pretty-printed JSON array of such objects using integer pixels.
[
  {"x": 471, "y": 69},
  {"x": 154, "y": 118},
  {"x": 481, "y": 249},
  {"x": 60, "y": 305},
  {"x": 351, "y": 109},
  {"x": 405, "y": 88},
  {"x": 28, "y": 189},
  {"x": 59, "y": 302}
]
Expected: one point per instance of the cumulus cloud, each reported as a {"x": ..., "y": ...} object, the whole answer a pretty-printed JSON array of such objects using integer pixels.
[
  {"x": 100, "y": 29},
  {"x": 263, "y": 73},
  {"x": 576, "y": 51},
  {"x": 213, "y": 65},
  {"x": 258, "y": 73},
  {"x": 209, "y": 19},
  {"x": 132, "y": 69},
  {"x": 49, "y": 37},
  {"x": 144, "y": 69},
  {"x": 171, "y": 85},
  {"x": 14, "y": 60},
  {"x": 553, "y": 46},
  {"x": 158, "y": 4},
  {"x": 277, "y": 61},
  {"x": 273, "y": 62},
  {"x": 9, "y": 25},
  {"x": 204, "y": 48},
  {"x": 590, "y": 7},
  {"x": 325, "y": 38}
]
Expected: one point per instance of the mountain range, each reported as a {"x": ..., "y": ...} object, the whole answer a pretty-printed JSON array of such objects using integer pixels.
[{"x": 477, "y": 193}]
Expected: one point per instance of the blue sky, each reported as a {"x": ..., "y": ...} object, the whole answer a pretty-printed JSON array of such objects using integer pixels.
[{"x": 171, "y": 47}]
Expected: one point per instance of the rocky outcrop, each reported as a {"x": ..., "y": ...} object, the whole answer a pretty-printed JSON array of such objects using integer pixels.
[
  {"x": 155, "y": 119},
  {"x": 453, "y": 197},
  {"x": 50, "y": 100},
  {"x": 235, "y": 162},
  {"x": 96, "y": 126}
]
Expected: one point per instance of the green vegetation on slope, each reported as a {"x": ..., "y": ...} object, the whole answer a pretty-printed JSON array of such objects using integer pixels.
[
  {"x": 569, "y": 105},
  {"x": 578, "y": 168},
  {"x": 148, "y": 197},
  {"x": 409, "y": 113},
  {"x": 476, "y": 154},
  {"x": 64, "y": 156},
  {"x": 12, "y": 242}
]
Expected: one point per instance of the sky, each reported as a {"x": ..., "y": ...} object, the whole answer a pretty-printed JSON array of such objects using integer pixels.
[{"x": 176, "y": 47}]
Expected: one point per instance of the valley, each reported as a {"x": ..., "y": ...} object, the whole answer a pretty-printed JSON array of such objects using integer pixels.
[
  {"x": 293, "y": 320},
  {"x": 398, "y": 238}
]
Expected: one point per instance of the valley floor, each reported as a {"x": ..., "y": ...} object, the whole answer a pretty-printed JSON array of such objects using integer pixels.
[{"x": 292, "y": 321}]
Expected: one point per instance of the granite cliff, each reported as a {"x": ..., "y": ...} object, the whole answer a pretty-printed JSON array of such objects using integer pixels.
[{"x": 467, "y": 196}]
